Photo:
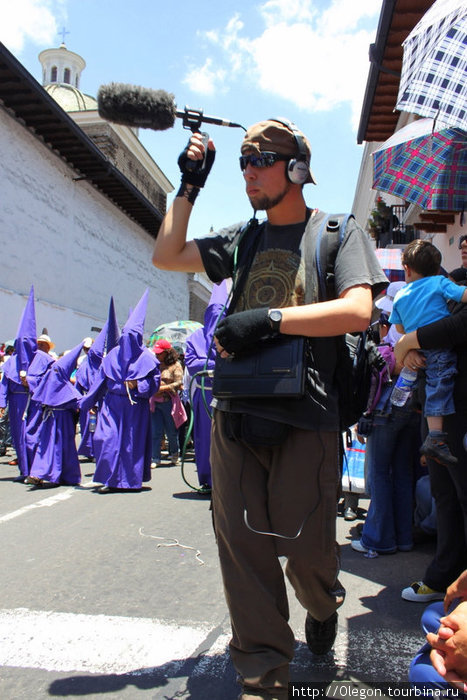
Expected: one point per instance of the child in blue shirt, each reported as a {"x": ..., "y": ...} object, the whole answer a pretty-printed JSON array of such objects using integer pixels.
[{"x": 422, "y": 301}]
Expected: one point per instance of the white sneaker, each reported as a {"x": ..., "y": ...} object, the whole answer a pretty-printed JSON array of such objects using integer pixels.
[
  {"x": 350, "y": 514},
  {"x": 174, "y": 459},
  {"x": 419, "y": 592},
  {"x": 357, "y": 545},
  {"x": 154, "y": 465}
]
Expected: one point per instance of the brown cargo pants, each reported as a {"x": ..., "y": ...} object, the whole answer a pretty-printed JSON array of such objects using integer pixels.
[{"x": 288, "y": 489}]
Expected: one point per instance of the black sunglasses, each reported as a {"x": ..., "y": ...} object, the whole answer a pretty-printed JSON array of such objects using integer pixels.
[
  {"x": 461, "y": 241},
  {"x": 264, "y": 160}
]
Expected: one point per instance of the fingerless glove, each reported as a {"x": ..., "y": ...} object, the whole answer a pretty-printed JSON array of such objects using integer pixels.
[
  {"x": 240, "y": 331},
  {"x": 195, "y": 172}
]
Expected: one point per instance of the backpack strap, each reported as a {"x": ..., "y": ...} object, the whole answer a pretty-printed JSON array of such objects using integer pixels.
[
  {"x": 330, "y": 237},
  {"x": 323, "y": 235}
]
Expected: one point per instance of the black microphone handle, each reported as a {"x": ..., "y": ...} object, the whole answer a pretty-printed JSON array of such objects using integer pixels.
[
  {"x": 193, "y": 165},
  {"x": 185, "y": 115}
]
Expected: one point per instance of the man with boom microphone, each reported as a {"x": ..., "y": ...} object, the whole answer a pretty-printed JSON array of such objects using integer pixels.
[{"x": 275, "y": 460}]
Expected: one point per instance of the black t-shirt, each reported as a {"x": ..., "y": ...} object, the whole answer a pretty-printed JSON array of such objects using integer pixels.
[
  {"x": 277, "y": 278},
  {"x": 459, "y": 275},
  {"x": 450, "y": 332}
]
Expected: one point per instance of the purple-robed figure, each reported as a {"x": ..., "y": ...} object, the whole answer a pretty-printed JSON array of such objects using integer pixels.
[
  {"x": 56, "y": 459},
  {"x": 196, "y": 360},
  {"x": 13, "y": 387},
  {"x": 37, "y": 369},
  {"x": 87, "y": 372},
  {"x": 127, "y": 377}
]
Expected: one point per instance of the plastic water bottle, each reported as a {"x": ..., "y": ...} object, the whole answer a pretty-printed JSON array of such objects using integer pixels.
[
  {"x": 92, "y": 422},
  {"x": 404, "y": 387}
]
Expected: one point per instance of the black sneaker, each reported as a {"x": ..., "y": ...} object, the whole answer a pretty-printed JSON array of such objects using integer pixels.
[
  {"x": 437, "y": 448},
  {"x": 320, "y": 636}
]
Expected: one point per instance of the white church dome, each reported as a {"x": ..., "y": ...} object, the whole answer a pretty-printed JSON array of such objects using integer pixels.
[{"x": 61, "y": 74}]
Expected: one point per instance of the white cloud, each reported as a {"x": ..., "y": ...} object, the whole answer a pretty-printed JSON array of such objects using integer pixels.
[
  {"x": 316, "y": 59},
  {"x": 28, "y": 20},
  {"x": 274, "y": 11},
  {"x": 206, "y": 80}
]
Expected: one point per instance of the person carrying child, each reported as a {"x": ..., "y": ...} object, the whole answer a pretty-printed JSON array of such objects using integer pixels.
[{"x": 424, "y": 300}]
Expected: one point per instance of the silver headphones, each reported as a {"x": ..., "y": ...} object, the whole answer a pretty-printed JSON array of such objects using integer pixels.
[{"x": 298, "y": 168}]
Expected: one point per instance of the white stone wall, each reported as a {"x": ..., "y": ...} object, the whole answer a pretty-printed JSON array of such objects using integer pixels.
[
  {"x": 448, "y": 244},
  {"x": 74, "y": 245}
]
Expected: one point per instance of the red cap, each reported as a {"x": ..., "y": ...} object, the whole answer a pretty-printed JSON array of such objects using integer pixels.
[{"x": 161, "y": 346}]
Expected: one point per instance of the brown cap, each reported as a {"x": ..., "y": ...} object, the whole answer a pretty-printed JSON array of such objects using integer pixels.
[{"x": 276, "y": 137}]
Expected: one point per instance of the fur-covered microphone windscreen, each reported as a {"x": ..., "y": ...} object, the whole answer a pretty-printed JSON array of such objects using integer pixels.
[{"x": 133, "y": 105}]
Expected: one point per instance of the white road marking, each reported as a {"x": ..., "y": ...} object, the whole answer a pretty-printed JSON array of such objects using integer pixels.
[
  {"x": 215, "y": 662},
  {"x": 101, "y": 644},
  {"x": 46, "y": 502},
  {"x": 93, "y": 643}
]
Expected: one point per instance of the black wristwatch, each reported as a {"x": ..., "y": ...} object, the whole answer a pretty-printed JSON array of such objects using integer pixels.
[{"x": 275, "y": 318}]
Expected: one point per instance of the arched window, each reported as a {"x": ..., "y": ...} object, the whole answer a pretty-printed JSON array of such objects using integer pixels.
[
  {"x": 66, "y": 75},
  {"x": 53, "y": 74}
]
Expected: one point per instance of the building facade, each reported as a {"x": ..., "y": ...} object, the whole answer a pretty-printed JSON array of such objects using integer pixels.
[
  {"x": 80, "y": 207},
  {"x": 379, "y": 120}
]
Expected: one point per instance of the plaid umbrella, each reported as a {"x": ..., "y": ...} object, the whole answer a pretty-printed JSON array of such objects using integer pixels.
[
  {"x": 390, "y": 261},
  {"x": 434, "y": 69},
  {"x": 176, "y": 332},
  {"x": 425, "y": 168}
]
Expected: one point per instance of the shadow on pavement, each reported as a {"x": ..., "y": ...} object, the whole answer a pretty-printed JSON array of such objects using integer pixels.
[{"x": 180, "y": 678}]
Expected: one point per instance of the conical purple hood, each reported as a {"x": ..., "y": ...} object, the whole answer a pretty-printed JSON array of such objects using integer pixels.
[
  {"x": 113, "y": 331},
  {"x": 215, "y": 308},
  {"x": 130, "y": 359},
  {"x": 200, "y": 342},
  {"x": 137, "y": 317},
  {"x": 55, "y": 387},
  {"x": 25, "y": 342},
  {"x": 89, "y": 367},
  {"x": 38, "y": 367}
]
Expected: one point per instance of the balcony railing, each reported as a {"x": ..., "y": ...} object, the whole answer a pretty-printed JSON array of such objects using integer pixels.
[{"x": 393, "y": 230}]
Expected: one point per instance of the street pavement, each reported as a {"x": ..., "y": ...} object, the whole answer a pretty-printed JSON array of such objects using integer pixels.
[{"x": 119, "y": 595}]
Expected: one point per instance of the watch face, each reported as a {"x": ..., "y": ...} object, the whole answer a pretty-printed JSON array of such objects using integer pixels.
[{"x": 275, "y": 316}]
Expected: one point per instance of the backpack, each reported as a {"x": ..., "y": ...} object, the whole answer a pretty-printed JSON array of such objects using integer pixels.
[
  {"x": 381, "y": 378},
  {"x": 359, "y": 358}
]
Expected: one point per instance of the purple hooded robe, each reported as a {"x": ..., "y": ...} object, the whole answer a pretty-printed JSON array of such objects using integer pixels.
[
  {"x": 122, "y": 440},
  {"x": 196, "y": 360},
  {"x": 12, "y": 390},
  {"x": 88, "y": 371},
  {"x": 84, "y": 378},
  {"x": 55, "y": 458},
  {"x": 37, "y": 369}
]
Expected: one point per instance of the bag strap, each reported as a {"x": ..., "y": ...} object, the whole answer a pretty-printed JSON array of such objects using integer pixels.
[
  {"x": 330, "y": 236},
  {"x": 254, "y": 229}
]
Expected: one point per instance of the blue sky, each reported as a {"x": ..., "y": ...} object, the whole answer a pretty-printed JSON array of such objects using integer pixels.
[{"x": 306, "y": 60}]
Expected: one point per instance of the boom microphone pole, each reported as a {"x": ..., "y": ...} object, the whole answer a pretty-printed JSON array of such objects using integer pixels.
[{"x": 132, "y": 105}]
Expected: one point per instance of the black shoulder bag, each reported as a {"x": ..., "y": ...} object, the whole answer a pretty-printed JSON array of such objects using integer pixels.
[{"x": 275, "y": 369}]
